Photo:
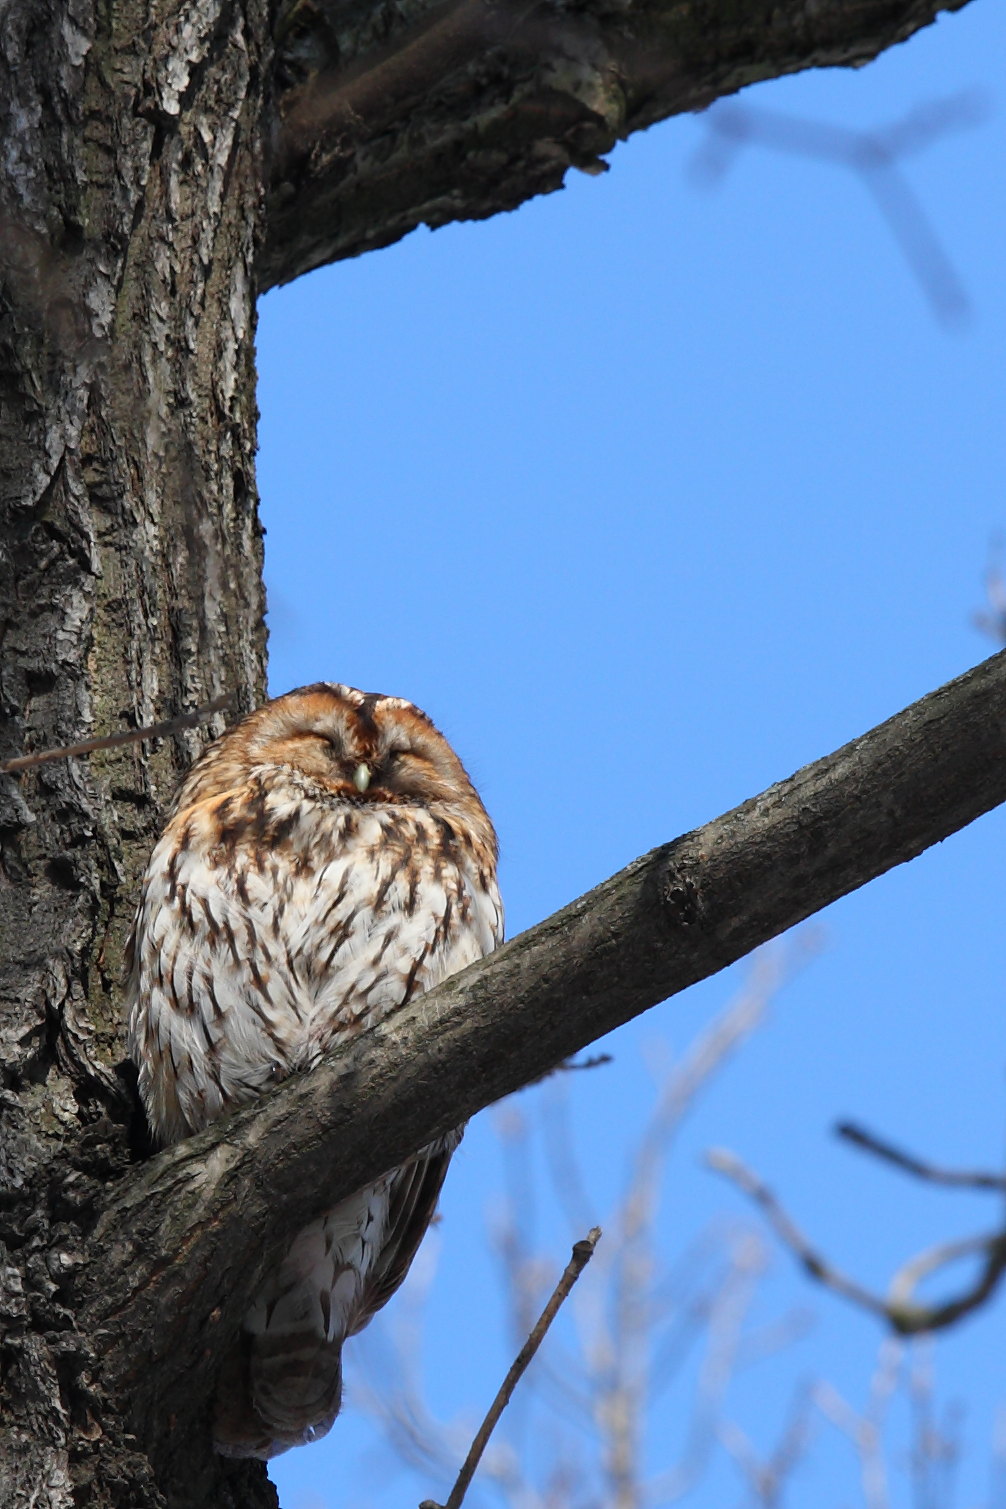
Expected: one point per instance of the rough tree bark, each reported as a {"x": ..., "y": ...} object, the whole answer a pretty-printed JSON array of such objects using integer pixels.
[
  {"x": 131, "y": 210},
  {"x": 163, "y": 162}
]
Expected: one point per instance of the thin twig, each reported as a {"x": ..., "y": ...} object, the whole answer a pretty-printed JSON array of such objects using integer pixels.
[
  {"x": 624, "y": 1380},
  {"x": 955, "y": 1178},
  {"x": 900, "y": 1309},
  {"x": 767, "y": 1478},
  {"x": 866, "y": 1430},
  {"x": 569, "y": 1065},
  {"x": 583, "y": 1251},
  {"x": 592, "y": 1061},
  {"x": 936, "y": 1441},
  {"x": 113, "y": 741},
  {"x": 728, "y": 1164}
]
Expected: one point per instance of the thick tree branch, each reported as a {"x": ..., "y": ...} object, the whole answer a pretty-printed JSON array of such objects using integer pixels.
[
  {"x": 441, "y": 110},
  {"x": 186, "y": 1235}
]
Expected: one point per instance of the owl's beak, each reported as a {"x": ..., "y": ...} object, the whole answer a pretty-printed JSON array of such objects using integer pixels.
[{"x": 361, "y": 777}]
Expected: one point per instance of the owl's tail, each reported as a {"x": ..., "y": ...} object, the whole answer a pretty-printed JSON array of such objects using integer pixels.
[
  {"x": 285, "y": 1386},
  {"x": 275, "y": 1394},
  {"x": 282, "y": 1386}
]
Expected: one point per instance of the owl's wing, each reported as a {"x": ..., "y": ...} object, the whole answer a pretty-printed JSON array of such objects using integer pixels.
[{"x": 415, "y": 1190}]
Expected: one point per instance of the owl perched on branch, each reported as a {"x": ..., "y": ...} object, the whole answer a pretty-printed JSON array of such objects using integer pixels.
[{"x": 324, "y": 861}]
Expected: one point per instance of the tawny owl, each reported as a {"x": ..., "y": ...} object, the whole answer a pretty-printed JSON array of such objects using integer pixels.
[{"x": 323, "y": 862}]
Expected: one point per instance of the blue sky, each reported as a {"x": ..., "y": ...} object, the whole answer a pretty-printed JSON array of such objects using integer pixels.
[{"x": 702, "y": 453}]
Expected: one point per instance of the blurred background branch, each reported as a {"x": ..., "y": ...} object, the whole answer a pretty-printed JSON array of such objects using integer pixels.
[
  {"x": 900, "y": 1307},
  {"x": 875, "y": 157}
]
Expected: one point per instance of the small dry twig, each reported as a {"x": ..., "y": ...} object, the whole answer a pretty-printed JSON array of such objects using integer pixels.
[
  {"x": 900, "y": 1309},
  {"x": 936, "y": 1442},
  {"x": 583, "y": 1251},
  {"x": 952, "y": 1177},
  {"x": 592, "y": 1061},
  {"x": 113, "y": 741}
]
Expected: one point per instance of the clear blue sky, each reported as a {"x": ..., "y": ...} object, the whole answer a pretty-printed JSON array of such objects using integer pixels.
[{"x": 705, "y": 455}]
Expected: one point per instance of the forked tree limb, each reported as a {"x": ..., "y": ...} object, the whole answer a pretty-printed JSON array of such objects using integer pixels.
[{"x": 187, "y": 1234}]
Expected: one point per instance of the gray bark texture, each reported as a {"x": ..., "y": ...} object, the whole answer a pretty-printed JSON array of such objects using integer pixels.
[{"x": 164, "y": 161}]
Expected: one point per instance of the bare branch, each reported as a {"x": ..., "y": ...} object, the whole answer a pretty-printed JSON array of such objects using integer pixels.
[
  {"x": 874, "y": 157},
  {"x": 627, "y": 1380},
  {"x": 900, "y": 1309},
  {"x": 953, "y": 1178},
  {"x": 767, "y": 1477},
  {"x": 728, "y": 1164},
  {"x": 728, "y": 1312},
  {"x": 909, "y": 1317},
  {"x": 182, "y": 1240},
  {"x": 592, "y": 1061},
  {"x": 583, "y": 1251},
  {"x": 936, "y": 1442},
  {"x": 866, "y": 1430},
  {"x": 115, "y": 741}
]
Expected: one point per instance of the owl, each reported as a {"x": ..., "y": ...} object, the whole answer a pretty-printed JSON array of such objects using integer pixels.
[{"x": 323, "y": 862}]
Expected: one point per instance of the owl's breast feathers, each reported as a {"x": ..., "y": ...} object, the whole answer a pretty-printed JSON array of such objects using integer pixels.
[{"x": 275, "y": 924}]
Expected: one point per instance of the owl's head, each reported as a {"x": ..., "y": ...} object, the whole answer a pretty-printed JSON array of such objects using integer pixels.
[{"x": 362, "y": 747}]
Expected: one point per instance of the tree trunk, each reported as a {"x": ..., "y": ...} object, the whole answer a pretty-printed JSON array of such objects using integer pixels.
[
  {"x": 139, "y": 216},
  {"x": 131, "y": 589}
]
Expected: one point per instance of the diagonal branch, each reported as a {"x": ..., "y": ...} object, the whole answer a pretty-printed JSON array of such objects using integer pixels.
[
  {"x": 583, "y": 1251},
  {"x": 439, "y": 110},
  {"x": 187, "y": 1234}
]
